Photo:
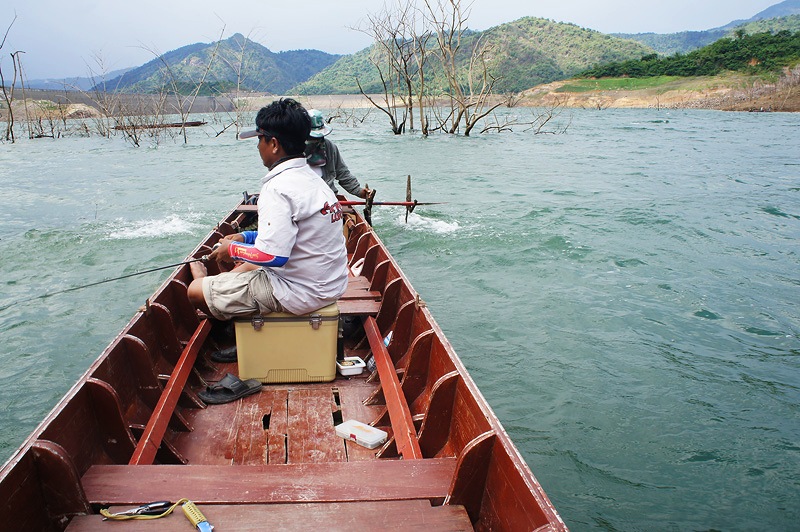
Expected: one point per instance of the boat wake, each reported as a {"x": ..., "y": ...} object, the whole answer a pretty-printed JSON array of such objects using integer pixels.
[
  {"x": 428, "y": 225},
  {"x": 168, "y": 226}
]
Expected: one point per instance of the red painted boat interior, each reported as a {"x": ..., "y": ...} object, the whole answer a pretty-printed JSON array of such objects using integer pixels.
[{"x": 133, "y": 430}]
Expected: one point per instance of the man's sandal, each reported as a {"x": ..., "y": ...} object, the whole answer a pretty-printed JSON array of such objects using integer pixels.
[{"x": 230, "y": 388}]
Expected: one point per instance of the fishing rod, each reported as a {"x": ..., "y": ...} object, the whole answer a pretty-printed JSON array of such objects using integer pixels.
[
  {"x": 350, "y": 203},
  {"x": 44, "y": 296}
]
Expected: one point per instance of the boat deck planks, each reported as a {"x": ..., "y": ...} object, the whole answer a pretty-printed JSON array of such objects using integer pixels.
[
  {"x": 281, "y": 424},
  {"x": 311, "y": 482},
  {"x": 250, "y": 441},
  {"x": 311, "y": 436}
]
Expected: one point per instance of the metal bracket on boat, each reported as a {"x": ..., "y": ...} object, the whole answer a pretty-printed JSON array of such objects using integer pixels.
[
  {"x": 419, "y": 303},
  {"x": 146, "y": 308}
]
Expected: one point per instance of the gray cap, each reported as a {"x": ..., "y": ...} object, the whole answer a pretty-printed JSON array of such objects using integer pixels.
[{"x": 254, "y": 133}]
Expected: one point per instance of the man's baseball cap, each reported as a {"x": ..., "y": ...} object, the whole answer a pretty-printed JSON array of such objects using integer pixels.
[{"x": 254, "y": 133}]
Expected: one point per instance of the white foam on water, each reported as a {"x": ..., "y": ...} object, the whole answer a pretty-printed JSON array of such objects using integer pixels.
[
  {"x": 420, "y": 223},
  {"x": 170, "y": 225}
]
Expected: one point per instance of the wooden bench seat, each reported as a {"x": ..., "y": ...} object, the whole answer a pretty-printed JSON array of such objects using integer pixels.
[
  {"x": 359, "y": 307},
  {"x": 304, "y": 517},
  {"x": 358, "y": 299},
  {"x": 311, "y": 482}
]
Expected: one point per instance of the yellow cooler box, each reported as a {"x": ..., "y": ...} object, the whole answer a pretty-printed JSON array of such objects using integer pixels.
[{"x": 282, "y": 347}]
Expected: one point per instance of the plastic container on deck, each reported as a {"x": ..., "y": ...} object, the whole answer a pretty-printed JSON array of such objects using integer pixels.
[
  {"x": 361, "y": 433},
  {"x": 350, "y": 366}
]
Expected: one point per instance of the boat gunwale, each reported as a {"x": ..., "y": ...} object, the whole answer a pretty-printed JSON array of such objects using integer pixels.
[{"x": 515, "y": 456}]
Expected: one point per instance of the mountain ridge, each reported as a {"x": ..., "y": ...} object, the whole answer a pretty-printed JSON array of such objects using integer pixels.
[
  {"x": 686, "y": 41},
  {"x": 235, "y": 61},
  {"x": 524, "y": 62},
  {"x": 525, "y": 52}
]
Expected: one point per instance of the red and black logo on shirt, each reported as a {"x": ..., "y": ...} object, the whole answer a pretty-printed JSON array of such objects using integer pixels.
[{"x": 334, "y": 210}]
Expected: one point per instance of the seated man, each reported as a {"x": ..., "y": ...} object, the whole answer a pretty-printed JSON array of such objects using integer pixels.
[
  {"x": 296, "y": 262},
  {"x": 324, "y": 158}
]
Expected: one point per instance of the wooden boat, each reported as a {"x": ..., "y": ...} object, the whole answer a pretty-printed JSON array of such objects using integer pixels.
[
  {"x": 133, "y": 430},
  {"x": 193, "y": 123}
]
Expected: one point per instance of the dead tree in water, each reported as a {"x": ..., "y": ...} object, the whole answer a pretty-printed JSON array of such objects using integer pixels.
[
  {"x": 105, "y": 98},
  {"x": 8, "y": 94},
  {"x": 425, "y": 55},
  {"x": 399, "y": 55},
  {"x": 18, "y": 67},
  {"x": 238, "y": 64},
  {"x": 393, "y": 104},
  {"x": 454, "y": 69},
  {"x": 185, "y": 104},
  {"x": 470, "y": 84}
]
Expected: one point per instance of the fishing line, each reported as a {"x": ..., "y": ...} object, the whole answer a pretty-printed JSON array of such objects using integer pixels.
[{"x": 43, "y": 296}]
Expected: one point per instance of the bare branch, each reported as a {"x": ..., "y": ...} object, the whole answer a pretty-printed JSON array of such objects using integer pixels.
[{"x": 8, "y": 95}]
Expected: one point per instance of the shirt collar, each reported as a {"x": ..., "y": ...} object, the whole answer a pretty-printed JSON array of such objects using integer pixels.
[{"x": 288, "y": 164}]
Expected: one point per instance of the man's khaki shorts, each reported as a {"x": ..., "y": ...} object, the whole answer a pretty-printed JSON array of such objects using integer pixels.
[{"x": 240, "y": 294}]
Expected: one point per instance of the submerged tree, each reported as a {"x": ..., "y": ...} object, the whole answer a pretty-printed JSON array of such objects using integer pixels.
[
  {"x": 8, "y": 94},
  {"x": 105, "y": 98},
  {"x": 238, "y": 65},
  {"x": 426, "y": 56},
  {"x": 176, "y": 87},
  {"x": 390, "y": 58},
  {"x": 465, "y": 67},
  {"x": 17, "y": 61}
]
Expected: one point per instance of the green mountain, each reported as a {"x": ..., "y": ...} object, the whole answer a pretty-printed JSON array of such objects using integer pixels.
[
  {"x": 531, "y": 51},
  {"x": 526, "y": 52},
  {"x": 752, "y": 54},
  {"x": 782, "y": 16},
  {"x": 261, "y": 69},
  {"x": 783, "y": 9},
  {"x": 790, "y": 23}
]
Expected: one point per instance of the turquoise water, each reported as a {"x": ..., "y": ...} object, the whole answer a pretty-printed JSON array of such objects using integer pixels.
[{"x": 624, "y": 295}]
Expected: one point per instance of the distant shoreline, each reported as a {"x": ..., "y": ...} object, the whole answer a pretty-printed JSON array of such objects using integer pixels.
[{"x": 715, "y": 93}]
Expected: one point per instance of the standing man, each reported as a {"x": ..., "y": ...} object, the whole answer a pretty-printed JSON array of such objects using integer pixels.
[
  {"x": 296, "y": 262},
  {"x": 324, "y": 158}
]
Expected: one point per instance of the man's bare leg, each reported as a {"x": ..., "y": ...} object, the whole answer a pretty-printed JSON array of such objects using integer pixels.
[{"x": 195, "y": 291}]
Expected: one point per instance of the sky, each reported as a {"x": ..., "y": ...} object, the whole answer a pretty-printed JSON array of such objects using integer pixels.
[{"x": 64, "y": 39}]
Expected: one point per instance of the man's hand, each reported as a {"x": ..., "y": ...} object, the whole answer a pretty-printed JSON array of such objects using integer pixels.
[
  {"x": 364, "y": 192},
  {"x": 220, "y": 252}
]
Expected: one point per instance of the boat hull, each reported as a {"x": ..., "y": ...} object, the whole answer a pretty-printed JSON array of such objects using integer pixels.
[{"x": 133, "y": 430}]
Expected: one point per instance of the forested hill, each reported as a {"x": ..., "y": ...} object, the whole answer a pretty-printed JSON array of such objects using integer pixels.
[
  {"x": 782, "y": 16},
  {"x": 524, "y": 53},
  {"x": 758, "y": 53},
  {"x": 783, "y": 9},
  {"x": 236, "y": 61}
]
